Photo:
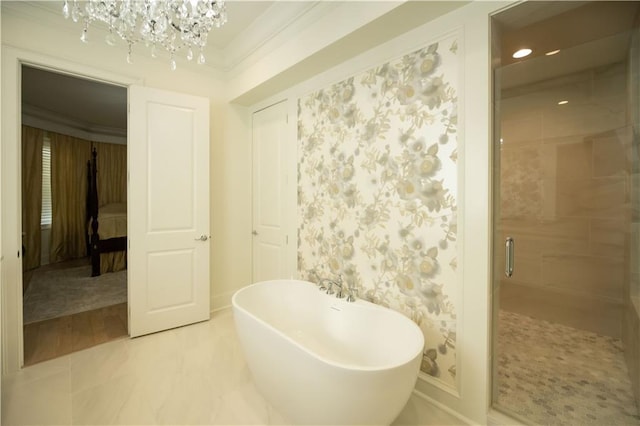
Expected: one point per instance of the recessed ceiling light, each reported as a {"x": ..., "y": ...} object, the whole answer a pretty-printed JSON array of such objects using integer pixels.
[
  {"x": 563, "y": 102},
  {"x": 553, "y": 52},
  {"x": 522, "y": 53}
]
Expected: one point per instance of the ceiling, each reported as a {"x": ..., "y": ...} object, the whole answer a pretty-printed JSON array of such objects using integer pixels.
[
  {"x": 241, "y": 14},
  {"x": 590, "y": 34},
  {"x": 87, "y": 105},
  {"x": 250, "y": 24}
]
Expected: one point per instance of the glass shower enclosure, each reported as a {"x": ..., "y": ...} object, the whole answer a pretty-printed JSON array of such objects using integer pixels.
[{"x": 566, "y": 211}]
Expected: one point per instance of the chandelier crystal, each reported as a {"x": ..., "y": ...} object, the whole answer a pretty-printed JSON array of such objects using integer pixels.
[{"x": 172, "y": 25}]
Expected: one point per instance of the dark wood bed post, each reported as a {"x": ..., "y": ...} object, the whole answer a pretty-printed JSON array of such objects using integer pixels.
[
  {"x": 92, "y": 212},
  {"x": 96, "y": 245},
  {"x": 88, "y": 208}
]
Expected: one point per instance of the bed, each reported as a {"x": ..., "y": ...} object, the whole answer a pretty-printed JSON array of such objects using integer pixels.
[{"x": 106, "y": 227}]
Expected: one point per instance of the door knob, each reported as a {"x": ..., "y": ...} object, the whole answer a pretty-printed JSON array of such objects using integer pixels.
[
  {"x": 254, "y": 232},
  {"x": 202, "y": 238}
]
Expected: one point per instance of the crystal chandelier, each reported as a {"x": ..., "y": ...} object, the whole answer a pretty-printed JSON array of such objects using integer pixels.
[{"x": 172, "y": 25}]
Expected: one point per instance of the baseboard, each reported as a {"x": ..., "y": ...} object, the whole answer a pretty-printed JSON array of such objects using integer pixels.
[
  {"x": 443, "y": 407},
  {"x": 221, "y": 301},
  {"x": 220, "y": 309},
  {"x": 496, "y": 418}
]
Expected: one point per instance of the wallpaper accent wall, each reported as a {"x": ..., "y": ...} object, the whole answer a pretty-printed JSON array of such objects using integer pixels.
[{"x": 377, "y": 187}]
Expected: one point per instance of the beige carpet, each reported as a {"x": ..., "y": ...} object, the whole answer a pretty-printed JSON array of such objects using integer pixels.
[{"x": 54, "y": 293}]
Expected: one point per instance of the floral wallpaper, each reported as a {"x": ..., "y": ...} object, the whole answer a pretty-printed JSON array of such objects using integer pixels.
[{"x": 377, "y": 187}]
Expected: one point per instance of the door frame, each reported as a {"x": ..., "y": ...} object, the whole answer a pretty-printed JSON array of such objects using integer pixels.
[{"x": 10, "y": 204}]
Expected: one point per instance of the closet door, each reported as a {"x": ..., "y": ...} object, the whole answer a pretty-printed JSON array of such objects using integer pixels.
[
  {"x": 168, "y": 210},
  {"x": 269, "y": 193}
]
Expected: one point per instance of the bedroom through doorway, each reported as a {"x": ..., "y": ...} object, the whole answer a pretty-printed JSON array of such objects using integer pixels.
[{"x": 74, "y": 213}]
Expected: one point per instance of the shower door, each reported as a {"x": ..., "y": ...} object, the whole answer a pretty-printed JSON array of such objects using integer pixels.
[{"x": 563, "y": 143}]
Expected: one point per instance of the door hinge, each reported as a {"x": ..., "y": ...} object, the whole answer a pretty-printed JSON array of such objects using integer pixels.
[
  {"x": 287, "y": 118},
  {"x": 287, "y": 239}
]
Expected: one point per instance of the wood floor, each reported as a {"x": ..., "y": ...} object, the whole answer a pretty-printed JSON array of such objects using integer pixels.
[{"x": 52, "y": 338}]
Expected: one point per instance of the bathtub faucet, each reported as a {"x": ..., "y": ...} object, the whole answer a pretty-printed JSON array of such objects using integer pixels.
[
  {"x": 327, "y": 285},
  {"x": 353, "y": 292},
  {"x": 335, "y": 283},
  {"x": 320, "y": 281}
]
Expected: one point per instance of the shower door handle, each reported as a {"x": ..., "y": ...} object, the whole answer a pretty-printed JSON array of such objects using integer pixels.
[{"x": 508, "y": 267}]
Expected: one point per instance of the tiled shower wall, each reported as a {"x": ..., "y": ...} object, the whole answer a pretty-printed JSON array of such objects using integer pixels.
[{"x": 565, "y": 197}]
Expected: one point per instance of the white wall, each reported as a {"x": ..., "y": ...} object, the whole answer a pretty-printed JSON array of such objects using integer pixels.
[
  {"x": 230, "y": 202},
  {"x": 53, "y": 46},
  {"x": 471, "y": 399},
  {"x": 230, "y": 162},
  {"x": 40, "y": 33}
]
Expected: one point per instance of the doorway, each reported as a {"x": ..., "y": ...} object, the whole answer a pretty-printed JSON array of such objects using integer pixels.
[
  {"x": 565, "y": 333},
  {"x": 74, "y": 171}
]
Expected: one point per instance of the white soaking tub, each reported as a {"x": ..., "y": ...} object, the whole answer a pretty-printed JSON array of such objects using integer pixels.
[{"x": 322, "y": 360}]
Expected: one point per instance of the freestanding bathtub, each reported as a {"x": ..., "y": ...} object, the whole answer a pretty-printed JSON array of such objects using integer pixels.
[{"x": 322, "y": 360}]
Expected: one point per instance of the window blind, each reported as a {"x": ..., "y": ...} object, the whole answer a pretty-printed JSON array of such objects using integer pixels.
[{"x": 45, "y": 217}]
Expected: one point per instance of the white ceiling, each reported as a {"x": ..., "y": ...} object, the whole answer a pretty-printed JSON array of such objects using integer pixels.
[
  {"x": 252, "y": 23},
  {"x": 241, "y": 15}
]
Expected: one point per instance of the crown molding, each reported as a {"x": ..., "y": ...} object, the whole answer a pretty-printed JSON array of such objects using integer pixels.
[
  {"x": 279, "y": 23},
  {"x": 276, "y": 25}
]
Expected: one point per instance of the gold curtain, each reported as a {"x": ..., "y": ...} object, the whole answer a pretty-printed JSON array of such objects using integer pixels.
[
  {"x": 112, "y": 173},
  {"x": 69, "y": 158},
  {"x": 31, "y": 195}
]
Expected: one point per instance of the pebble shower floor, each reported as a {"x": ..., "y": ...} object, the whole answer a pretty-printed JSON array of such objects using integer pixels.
[{"x": 556, "y": 375}]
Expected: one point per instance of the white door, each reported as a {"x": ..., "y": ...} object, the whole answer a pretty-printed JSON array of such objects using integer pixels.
[
  {"x": 168, "y": 210},
  {"x": 269, "y": 193}
]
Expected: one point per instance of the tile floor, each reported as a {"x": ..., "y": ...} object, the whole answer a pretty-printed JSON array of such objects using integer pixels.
[
  {"x": 552, "y": 374},
  {"x": 190, "y": 375}
]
